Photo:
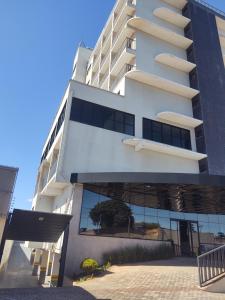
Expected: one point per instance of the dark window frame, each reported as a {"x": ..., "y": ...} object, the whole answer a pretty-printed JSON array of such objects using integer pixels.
[
  {"x": 184, "y": 135},
  {"x": 100, "y": 116}
]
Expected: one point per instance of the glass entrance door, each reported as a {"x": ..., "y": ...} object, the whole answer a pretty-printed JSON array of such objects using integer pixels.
[{"x": 185, "y": 236}]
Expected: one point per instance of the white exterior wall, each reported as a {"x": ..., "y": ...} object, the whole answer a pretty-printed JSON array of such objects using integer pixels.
[
  {"x": 84, "y": 148},
  {"x": 80, "y": 64},
  {"x": 145, "y": 9},
  {"x": 92, "y": 149}
]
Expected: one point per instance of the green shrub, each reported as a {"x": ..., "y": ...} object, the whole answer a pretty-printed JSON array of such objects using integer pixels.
[
  {"x": 138, "y": 254},
  {"x": 89, "y": 266}
]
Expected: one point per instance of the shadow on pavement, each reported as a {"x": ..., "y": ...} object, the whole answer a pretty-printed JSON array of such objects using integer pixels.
[{"x": 76, "y": 293}]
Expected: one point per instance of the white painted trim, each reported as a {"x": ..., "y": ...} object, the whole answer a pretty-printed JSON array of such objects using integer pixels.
[
  {"x": 140, "y": 144},
  {"x": 175, "y": 62},
  {"x": 172, "y": 17},
  {"x": 159, "y": 32},
  {"x": 162, "y": 83},
  {"x": 179, "y": 119}
]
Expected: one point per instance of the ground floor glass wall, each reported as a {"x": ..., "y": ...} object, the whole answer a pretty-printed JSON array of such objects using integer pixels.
[{"x": 131, "y": 216}]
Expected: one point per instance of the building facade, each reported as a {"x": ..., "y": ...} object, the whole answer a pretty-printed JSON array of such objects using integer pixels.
[{"x": 136, "y": 150}]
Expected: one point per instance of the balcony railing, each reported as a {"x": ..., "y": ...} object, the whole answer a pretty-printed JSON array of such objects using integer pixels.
[
  {"x": 123, "y": 71},
  {"x": 127, "y": 44},
  {"x": 116, "y": 35}
]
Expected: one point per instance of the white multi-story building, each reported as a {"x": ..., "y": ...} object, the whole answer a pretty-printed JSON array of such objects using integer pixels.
[{"x": 135, "y": 126}]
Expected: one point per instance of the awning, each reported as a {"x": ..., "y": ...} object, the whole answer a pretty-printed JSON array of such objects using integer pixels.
[{"x": 35, "y": 226}]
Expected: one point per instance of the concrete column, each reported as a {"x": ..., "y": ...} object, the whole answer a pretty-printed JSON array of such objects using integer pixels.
[
  {"x": 43, "y": 267},
  {"x": 36, "y": 262},
  {"x": 55, "y": 269},
  {"x": 49, "y": 264}
]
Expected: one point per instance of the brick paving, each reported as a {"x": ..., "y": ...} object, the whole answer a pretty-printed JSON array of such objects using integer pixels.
[{"x": 172, "y": 280}]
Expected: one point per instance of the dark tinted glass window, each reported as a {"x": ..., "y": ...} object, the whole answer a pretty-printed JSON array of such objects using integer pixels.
[
  {"x": 100, "y": 116},
  {"x": 141, "y": 217},
  {"x": 166, "y": 134},
  {"x": 54, "y": 133}
]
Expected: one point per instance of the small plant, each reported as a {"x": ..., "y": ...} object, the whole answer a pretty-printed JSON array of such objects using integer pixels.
[
  {"x": 89, "y": 266},
  {"x": 106, "y": 266}
]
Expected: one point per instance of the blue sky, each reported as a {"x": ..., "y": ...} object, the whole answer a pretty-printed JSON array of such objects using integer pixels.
[{"x": 38, "y": 40}]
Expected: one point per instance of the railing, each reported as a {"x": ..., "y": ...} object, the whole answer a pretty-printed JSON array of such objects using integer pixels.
[
  {"x": 211, "y": 7},
  {"x": 211, "y": 265},
  {"x": 124, "y": 70},
  {"x": 128, "y": 43}
]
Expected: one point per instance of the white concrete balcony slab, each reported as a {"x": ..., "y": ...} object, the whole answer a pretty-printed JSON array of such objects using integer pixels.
[
  {"x": 140, "y": 144},
  {"x": 159, "y": 32},
  {"x": 106, "y": 43},
  {"x": 176, "y": 3},
  {"x": 171, "y": 16},
  {"x": 53, "y": 188},
  {"x": 119, "y": 36},
  {"x": 104, "y": 65},
  {"x": 123, "y": 59},
  {"x": 127, "y": 9},
  {"x": 96, "y": 63},
  {"x": 123, "y": 56},
  {"x": 162, "y": 83},
  {"x": 179, "y": 119},
  {"x": 175, "y": 62}
]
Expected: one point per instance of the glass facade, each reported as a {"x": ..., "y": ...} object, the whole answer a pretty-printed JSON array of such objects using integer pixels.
[
  {"x": 132, "y": 215},
  {"x": 166, "y": 134},
  {"x": 101, "y": 116}
]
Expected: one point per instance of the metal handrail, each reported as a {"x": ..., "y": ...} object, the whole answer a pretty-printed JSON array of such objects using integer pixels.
[
  {"x": 211, "y": 7},
  {"x": 211, "y": 265}
]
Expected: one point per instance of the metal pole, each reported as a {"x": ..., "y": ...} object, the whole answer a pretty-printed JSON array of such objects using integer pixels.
[{"x": 63, "y": 257}]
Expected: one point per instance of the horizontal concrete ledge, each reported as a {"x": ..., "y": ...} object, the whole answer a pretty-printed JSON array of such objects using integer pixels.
[
  {"x": 162, "y": 83},
  {"x": 145, "y": 177},
  {"x": 159, "y": 32},
  {"x": 142, "y": 144},
  {"x": 171, "y": 16},
  {"x": 179, "y": 119},
  {"x": 175, "y": 62}
]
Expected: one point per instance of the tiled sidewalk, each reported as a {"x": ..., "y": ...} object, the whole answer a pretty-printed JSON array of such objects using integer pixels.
[
  {"x": 172, "y": 280},
  {"x": 175, "y": 280}
]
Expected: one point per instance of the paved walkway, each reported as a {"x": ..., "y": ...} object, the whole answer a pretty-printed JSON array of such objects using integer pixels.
[{"x": 173, "y": 279}]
